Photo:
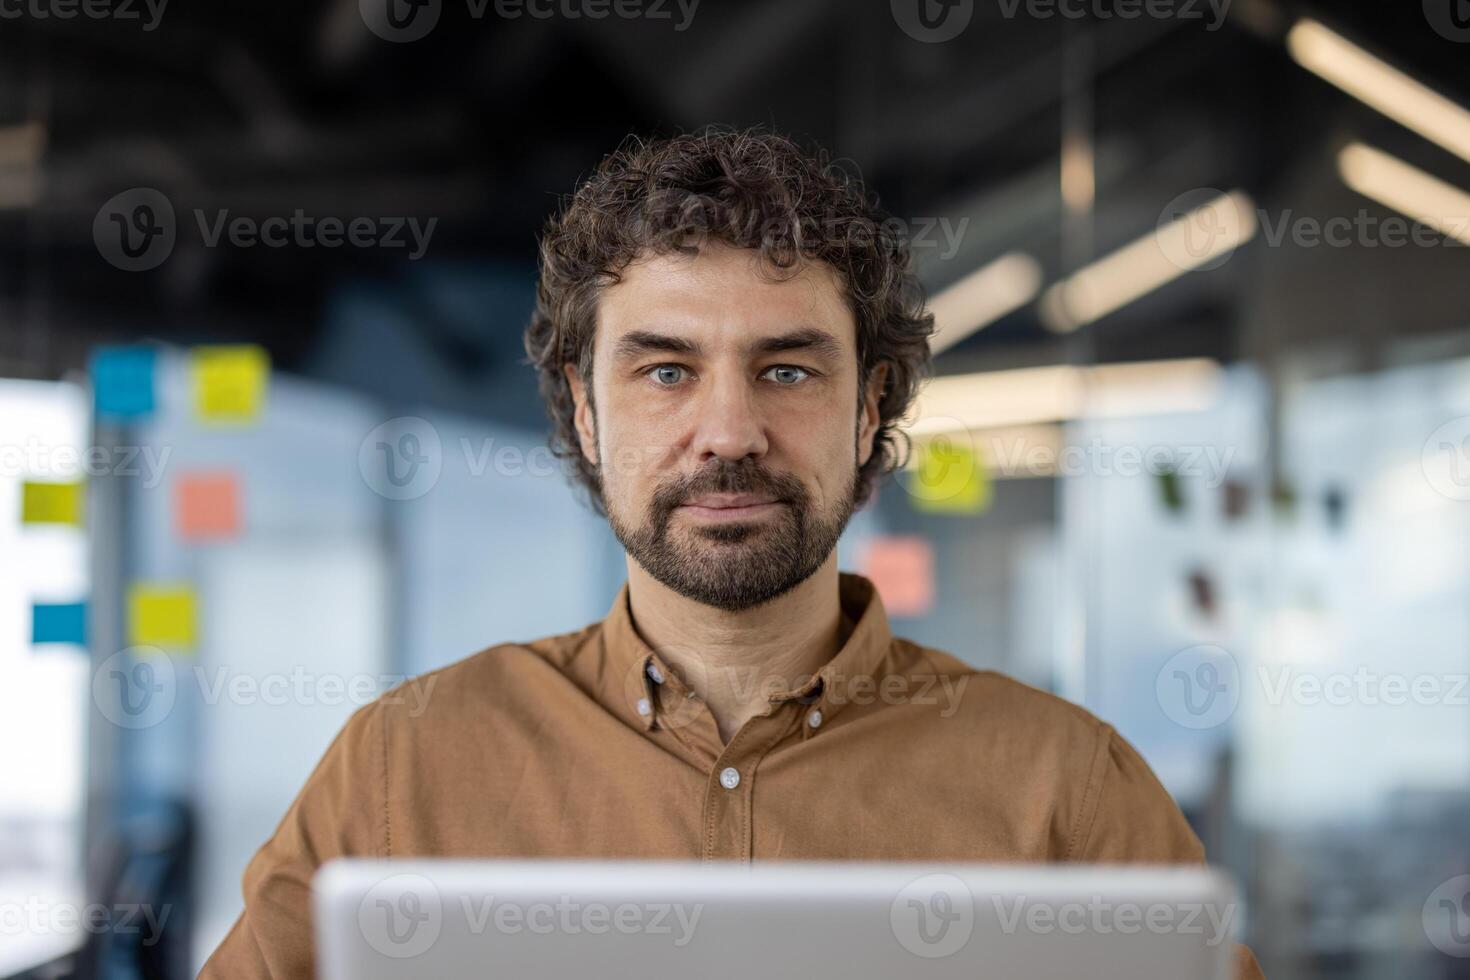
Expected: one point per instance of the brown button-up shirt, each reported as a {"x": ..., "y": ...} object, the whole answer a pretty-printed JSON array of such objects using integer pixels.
[{"x": 588, "y": 744}]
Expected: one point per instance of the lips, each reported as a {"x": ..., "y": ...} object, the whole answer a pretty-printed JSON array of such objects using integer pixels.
[
  {"x": 729, "y": 501},
  {"x": 730, "y": 506}
]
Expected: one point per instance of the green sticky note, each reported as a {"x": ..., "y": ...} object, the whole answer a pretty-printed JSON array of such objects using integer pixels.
[{"x": 950, "y": 478}]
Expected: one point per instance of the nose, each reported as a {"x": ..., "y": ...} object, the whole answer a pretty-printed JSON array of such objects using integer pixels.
[{"x": 729, "y": 421}]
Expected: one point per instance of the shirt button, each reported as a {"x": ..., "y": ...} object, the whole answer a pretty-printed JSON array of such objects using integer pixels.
[
  {"x": 730, "y": 777},
  {"x": 644, "y": 708},
  {"x": 654, "y": 674},
  {"x": 814, "y": 718}
]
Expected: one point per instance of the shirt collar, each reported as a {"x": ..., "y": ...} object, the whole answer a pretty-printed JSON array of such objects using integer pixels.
[{"x": 626, "y": 684}]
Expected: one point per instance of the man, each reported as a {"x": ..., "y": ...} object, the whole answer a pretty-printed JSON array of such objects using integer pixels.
[{"x": 726, "y": 337}]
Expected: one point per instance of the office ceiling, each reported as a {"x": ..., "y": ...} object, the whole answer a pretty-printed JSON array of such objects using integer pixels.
[{"x": 263, "y": 109}]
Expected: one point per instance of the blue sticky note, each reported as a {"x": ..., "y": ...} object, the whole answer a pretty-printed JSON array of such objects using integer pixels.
[
  {"x": 59, "y": 623},
  {"x": 122, "y": 381}
]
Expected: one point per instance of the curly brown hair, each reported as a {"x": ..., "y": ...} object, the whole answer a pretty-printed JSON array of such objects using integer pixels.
[{"x": 748, "y": 188}]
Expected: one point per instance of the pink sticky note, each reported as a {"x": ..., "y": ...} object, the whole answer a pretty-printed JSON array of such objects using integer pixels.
[
  {"x": 902, "y": 569},
  {"x": 207, "y": 506}
]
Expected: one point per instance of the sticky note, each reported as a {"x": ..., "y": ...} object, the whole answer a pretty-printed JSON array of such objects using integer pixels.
[
  {"x": 229, "y": 382},
  {"x": 161, "y": 615},
  {"x": 950, "y": 478},
  {"x": 52, "y": 503},
  {"x": 901, "y": 567},
  {"x": 122, "y": 381},
  {"x": 1237, "y": 499},
  {"x": 1170, "y": 492},
  {"x": 207, "y": 506},
  {"x": 59, "y": 622}
]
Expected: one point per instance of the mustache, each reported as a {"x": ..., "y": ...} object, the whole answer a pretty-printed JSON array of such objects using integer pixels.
[{"x": 725, "y": 476}]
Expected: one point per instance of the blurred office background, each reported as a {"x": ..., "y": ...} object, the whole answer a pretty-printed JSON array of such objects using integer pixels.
[{"x": 1197, "y": 453}]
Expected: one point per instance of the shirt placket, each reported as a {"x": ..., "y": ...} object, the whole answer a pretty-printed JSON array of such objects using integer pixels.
[{"x": 729, "y": 800}]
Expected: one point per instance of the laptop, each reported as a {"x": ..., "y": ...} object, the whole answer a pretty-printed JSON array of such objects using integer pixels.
[{"x": 402, "y": 919}]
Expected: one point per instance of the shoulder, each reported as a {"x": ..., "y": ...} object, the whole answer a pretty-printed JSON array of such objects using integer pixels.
[
  {"x": 489, "y": 681},
  {"x": 1023, "y": 732},
  {"x": 1108, "y": 798},
  {"x": 987, "y": 700}
]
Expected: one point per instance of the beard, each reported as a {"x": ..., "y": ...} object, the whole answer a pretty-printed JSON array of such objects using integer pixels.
[{"x": 735, "y": 564}]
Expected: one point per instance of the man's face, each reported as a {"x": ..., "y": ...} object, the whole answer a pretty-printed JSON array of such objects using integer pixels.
[{"x": 726, "y": 425}]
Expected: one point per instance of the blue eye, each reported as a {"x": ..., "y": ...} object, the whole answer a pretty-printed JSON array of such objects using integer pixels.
[
  {"x": 667, "y": 374},
  {"x": 788, "y": 374}
]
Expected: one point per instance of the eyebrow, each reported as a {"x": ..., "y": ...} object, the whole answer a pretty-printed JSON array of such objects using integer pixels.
[{"x": 636, "y": 343}]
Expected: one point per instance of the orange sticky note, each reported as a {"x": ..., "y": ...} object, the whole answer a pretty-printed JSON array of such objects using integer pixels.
[
  {"x": 207, "y": 506},
  {"x": 901, "y": 567}
]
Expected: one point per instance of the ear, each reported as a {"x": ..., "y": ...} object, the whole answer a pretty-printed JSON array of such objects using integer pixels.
[
  {"x": 582, "y": 414},
  {"x": 871, "y": 419}
]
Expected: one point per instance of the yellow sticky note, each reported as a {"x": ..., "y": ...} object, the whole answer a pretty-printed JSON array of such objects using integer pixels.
[
  {"x": 161, "y": 616},
  {"x": 230, "y": 382},
  {"x": 52, "y": 503},
  {"x": 950, "y": 478}
]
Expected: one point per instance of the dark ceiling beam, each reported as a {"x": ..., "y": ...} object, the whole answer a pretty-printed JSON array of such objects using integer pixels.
[{"x": 960, "y": 117}]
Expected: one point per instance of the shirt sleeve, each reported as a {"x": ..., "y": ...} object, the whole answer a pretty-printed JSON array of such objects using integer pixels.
[
  {"x": 1129, "y": 818},
  {"x": 340, "y": 811}
]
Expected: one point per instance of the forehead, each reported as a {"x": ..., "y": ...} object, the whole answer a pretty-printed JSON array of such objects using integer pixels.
[{"x": 722, "y": 295}]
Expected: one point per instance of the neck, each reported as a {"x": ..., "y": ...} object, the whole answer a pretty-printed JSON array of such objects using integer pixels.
[{"x": 734, "y": 660}]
